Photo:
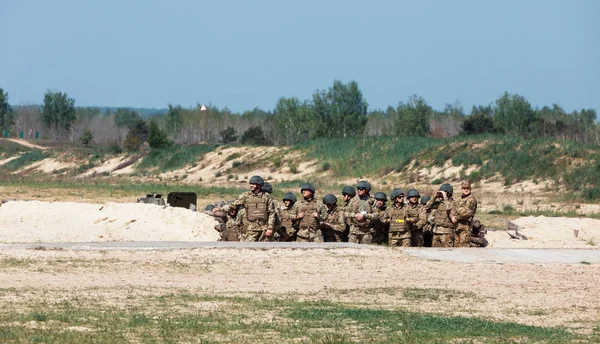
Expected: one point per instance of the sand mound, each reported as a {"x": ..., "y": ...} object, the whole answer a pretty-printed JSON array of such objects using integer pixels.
[
  {"x": 550, "y": 232},
  {"x": 35, "y": 221}
]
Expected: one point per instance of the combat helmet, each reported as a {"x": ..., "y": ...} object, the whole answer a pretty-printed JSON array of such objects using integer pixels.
[
  {"x": 412, "y": 193},
  {"x": 307, "y": 186},
  {"x": 257, "y": 180},
  {"x": 364, "y": 184},
  {"x": 395, "y": 193},
  {"x": 425, "y": 199},
  {"x": 380, "y": 196},
  {"x": 329, "y": 199},
  {"x": 290, "y": 197},
  {"x": 447, "y": 188},
  {"x": 349, "y": 190},
  {"x": 267, "y": 187},
  {"x": 209, "y": 207}
]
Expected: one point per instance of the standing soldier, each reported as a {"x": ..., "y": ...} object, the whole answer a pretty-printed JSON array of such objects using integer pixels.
[
  {"x": 380, "y": 229},
  {"x": 413, "y": 218},
  {"x": 289, "y": 213},
  {"x": 348, "y": 193},
  {"x": 463, "y": 212},
  {"x": 359, "y": 213},
  {"x": 395, "y": 216},
  {"x": 426, "y": 221},
  {"x": 441, "y": 207},
  {"x": 333, "y": 229},
  {"x": 277, "y": 235},
  {"x": 259, "y": 215},
  {"x": 310, "y": 214}
]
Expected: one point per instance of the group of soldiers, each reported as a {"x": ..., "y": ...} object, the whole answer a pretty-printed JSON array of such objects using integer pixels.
[{"x": 438, "y": 220}]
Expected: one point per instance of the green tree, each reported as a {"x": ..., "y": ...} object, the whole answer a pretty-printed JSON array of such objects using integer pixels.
[
  {"x": 126, "y": 117},
  {"x": 413, "y": 117},
  {"x": 58, "y": 111},
  {"x": 513, "y": 115},
  {"x": 174, "y": 118},
  {"x": 7, "y": 116},
  {"x": 340, "y": 111},
  {"x": 479, "y": 121},
  {"x": 157, "y": 138},
  {"x": 228, "y": 135},
  {"x": 293, "y": 119},
  {"x": 254, "y": 136},
  {"x": 87, "y": 137}
]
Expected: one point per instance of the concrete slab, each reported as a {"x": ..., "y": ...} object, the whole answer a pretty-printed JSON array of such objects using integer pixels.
[{"x": 508, "y": 255}]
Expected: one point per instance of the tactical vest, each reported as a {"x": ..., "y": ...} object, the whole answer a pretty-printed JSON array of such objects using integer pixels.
[
  {"x": 398, "y": 219},
  {"x": 286, "y": 219},
  {"x": 256, "y": 208},
  {"x": 308, "y": 208},
  {"x": 442, "y": 216},
  {"x": 363, "y": 205}
]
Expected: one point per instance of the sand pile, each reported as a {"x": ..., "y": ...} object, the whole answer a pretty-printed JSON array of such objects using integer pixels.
[
  {"x": 550, "y": 232},
  {"x": 35, "y": 221}
]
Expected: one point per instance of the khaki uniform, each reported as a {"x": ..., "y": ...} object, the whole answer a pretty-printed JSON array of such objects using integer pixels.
[
  {"x": 234, "y": 227},
  {"x": 259, "y": 214},
  {"x": 415, "y": 226},
  {"x": 464, "y": 210},
  {"x": 361, "y": 232},
  {"x": 399, "y": 233},
  {"x": 426, "y": 222},
  {"x": 380, "y": 229},
  {"x": 309, "y": 228},
  {"x": 289, "y": 224},
  {"x": 443, "y": 228},
  {"x": 334, "y": 228}
]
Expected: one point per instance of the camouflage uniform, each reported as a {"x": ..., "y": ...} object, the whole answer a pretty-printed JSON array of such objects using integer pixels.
[
  {"x": 380, "y": 229},
  {"x": 234, "y": 227},
  {"x": 259, "y": 214},
  {"x": 464, "y": 210},
  {"x": 426, "y": 222},
  {"x": 334, "y": 228},
  {"x": 309, "y": 227},
  {"x": 443, "y": 229},
  {"x": 361, "y": 232},
  {"x": 399, "y": 233},
  {"x": 415, "y": 226},
  {"x": 289, "y": 224}
]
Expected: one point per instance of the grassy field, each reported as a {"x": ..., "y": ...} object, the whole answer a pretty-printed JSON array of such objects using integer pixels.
[{"x": 200, "y": 318}]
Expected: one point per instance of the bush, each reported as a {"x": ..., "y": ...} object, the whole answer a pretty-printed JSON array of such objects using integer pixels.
[
  {"x": 592, "y": 193},
  {"x": 228, "y": 135},
  {"x": 157, "y": 138},
  {"x": 132, "y": 142},
  {"x": 254, "y": 136},
  {"x": 436, "y": 181},
  {"x": 87, "y": 137}
]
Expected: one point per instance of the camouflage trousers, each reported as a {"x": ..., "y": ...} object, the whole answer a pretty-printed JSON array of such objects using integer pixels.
[
  {"x": 442, "y": 240},
  {"x": 360, "y": 238},
  {"x": 309, "y": 235},
  {"x": 462, "y": 236},
  {"x": 251, "y": 236},
  {"x": 329, "y": 235},
  {"x": 399, "y": 242}
]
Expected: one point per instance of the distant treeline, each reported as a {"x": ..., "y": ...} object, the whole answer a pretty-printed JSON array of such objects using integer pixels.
[{"x": 339, "y": 111}]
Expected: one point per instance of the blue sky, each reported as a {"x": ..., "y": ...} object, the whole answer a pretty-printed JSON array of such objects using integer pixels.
[{"x": 243, "y": 54}]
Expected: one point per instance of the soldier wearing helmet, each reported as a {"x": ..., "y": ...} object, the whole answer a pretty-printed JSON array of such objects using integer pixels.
[
  {"x": 463, "y": 212},
  {"x": 380, "y": 229},
  {"x": 413, "y": 218},
  {"x": 427, "y": 221},
  {"x": 259, "y": 215},
  {"x": 334, "y": 227},
  {"x": 444, "y": 224},
  {"x": 359, "y": 213},
  {"x": 395, "y": 216},
  {"x": 277, "y": 234},
  {"x": 348, "y": 193},
  {"x": 289, "y": 212},
  {"x": 311, "y": 213}
]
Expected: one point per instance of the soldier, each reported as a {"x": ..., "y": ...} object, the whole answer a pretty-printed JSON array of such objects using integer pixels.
[
  {"x": 289, "y": 213},
  {"x": 380, "y": 229},
  {"x": 395, "y": 216},
  {"x": 310, "y": 214},
  {"x": 259, "y": 215},
  {"x": 441, "y": 207},
  {"x": 462, "y": 215},
  {"x": 334, "y": 228},
  {"x": 413, "y": 218},
  {"x": 234, "y": 226},
  {"x": 478, "y": 235},
  {"x": 348, "y": 193},
  {"x": 359, "y": 213},
  {"x": 426, "y": 221},
  {"x": 277, "y": 235}
]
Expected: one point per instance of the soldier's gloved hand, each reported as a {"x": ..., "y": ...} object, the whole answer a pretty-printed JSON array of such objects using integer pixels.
[{"x": 269, "y": 232}]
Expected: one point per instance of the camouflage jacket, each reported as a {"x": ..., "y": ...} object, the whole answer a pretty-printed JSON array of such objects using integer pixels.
[
  {"x": 413, "y": 216},
  {"x": 464, "y": 209},
  {"x": 358, "y": 205},
  {"x": 288, "y": 216},
  {"x": 395, "y": 216},
  {"x": 441, "y": 211},
  {"x": 309, "y": 208},
  {"x": 259, "y": 210},
  {"x": 335, "y": 220},
  {"x": 235, "y": 226}
]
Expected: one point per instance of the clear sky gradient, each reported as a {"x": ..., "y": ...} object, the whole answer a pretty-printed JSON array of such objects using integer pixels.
[{"x": 243, "y": 54}]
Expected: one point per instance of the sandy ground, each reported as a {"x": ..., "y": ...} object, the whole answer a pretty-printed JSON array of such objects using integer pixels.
[{"x": 535, "y": 294}]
